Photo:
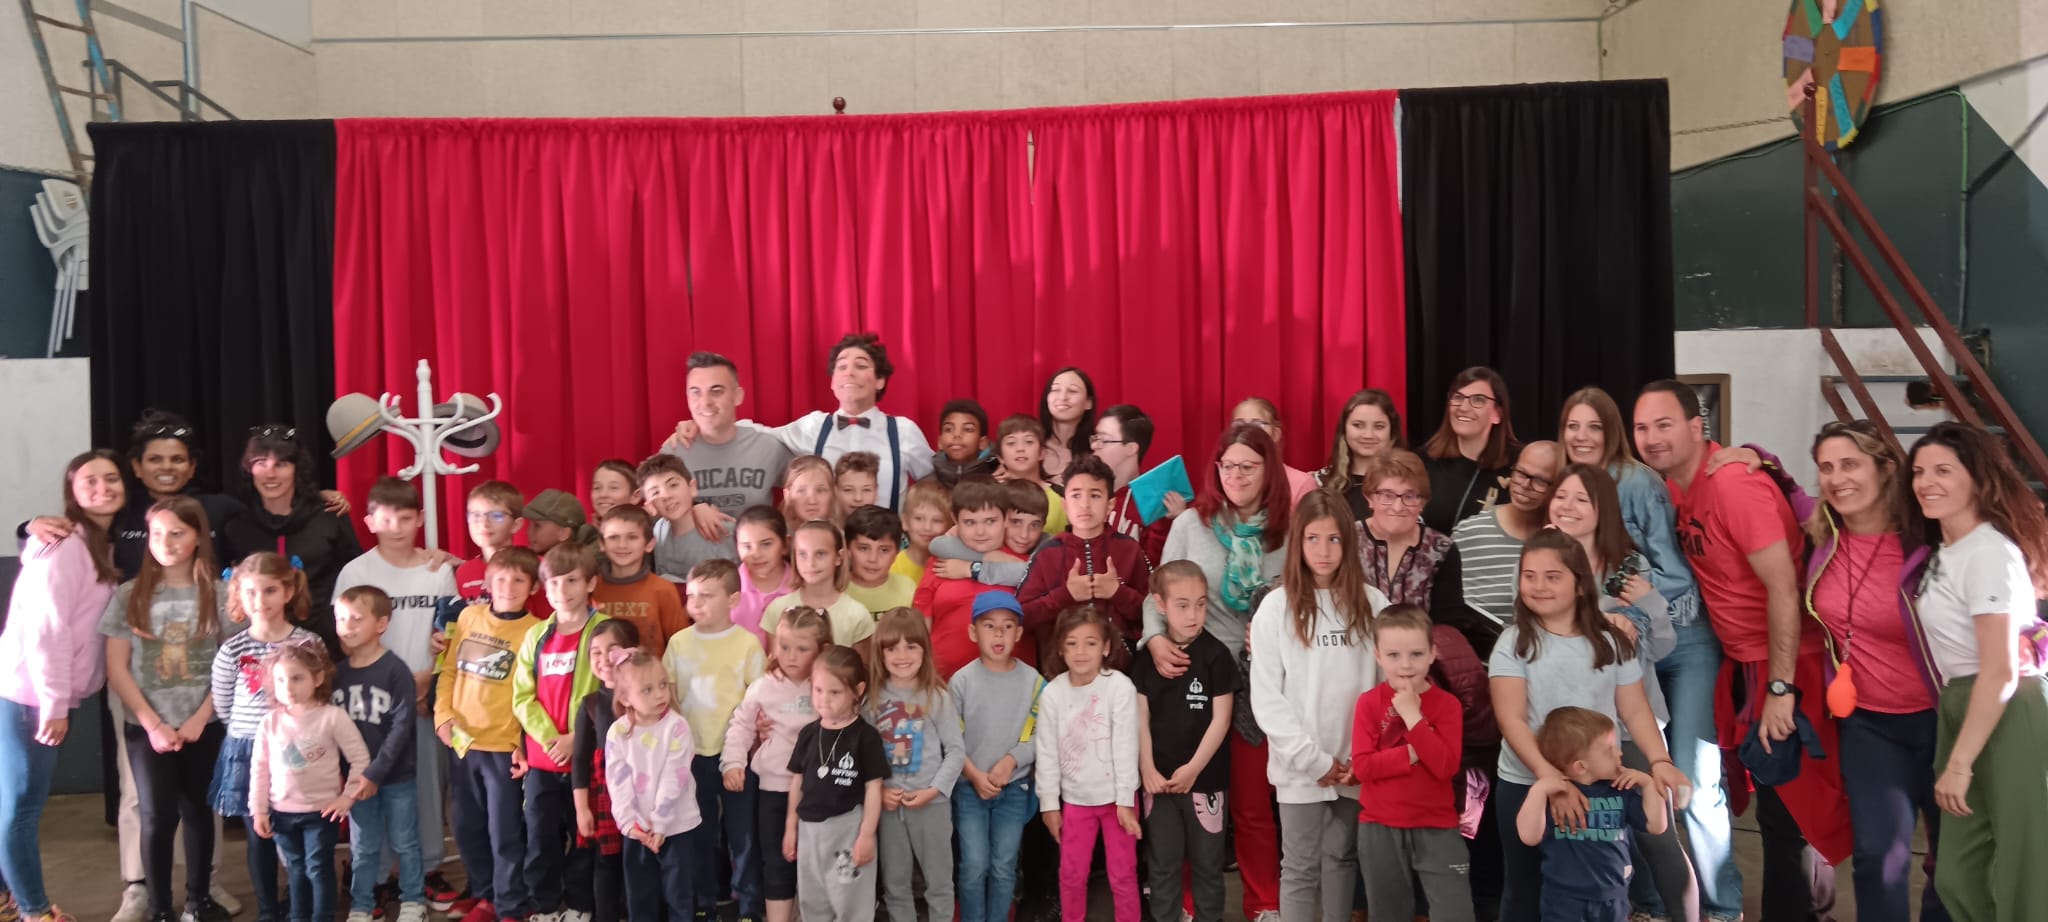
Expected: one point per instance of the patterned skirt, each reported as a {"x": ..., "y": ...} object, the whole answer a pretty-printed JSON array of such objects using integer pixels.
[{"x": 607, "y": 840}]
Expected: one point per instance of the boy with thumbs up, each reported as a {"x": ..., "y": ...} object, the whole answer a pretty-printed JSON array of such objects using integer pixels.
[{"x": 1088, "y": 563}]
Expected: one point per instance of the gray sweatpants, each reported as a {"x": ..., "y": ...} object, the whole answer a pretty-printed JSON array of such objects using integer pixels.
[
  {"x": 1438, "y": 856},
  {"x": 923, "y": 836},
  {"x": 1318, "y": 855},
  {"x": 829, "y": 886},
  {"x": 1185, "y": 827}
]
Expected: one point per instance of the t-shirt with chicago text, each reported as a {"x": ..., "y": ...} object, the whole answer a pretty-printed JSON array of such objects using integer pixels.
[
  {"x": 740, "y": 473},
  {"x": 414, "y": 592},
  {"x": 835, "y": 766},
  {"x": 1179, "y": 710},
  {"x": 1594, "y": 863}
]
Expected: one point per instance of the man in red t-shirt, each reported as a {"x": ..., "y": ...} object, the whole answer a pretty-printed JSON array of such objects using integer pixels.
[{"x": 1740, "y": 537}]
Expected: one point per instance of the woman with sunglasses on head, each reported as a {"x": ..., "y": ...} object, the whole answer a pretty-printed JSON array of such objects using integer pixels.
[
  {"x": 1368, "y": 427},
  {"x": 1591, "y": 429},
  {"x": 1470, "y": 453},
  {"x": 287, "y": 515},
  {"x": 1977, "y": 607}
]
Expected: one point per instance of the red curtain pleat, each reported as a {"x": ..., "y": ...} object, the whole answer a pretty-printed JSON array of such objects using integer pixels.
[{"x": 1186, "y": 254}]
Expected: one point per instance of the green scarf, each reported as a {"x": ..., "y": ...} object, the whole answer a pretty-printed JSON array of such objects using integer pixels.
[{"x": 1243, "y": 547}]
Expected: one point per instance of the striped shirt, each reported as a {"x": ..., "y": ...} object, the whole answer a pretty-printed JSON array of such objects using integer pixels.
[
  {"x": 241, "y": 690},
  {"x": 1488, "y": 556}
]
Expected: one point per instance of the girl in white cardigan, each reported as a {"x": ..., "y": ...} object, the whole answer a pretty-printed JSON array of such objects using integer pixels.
[{"x": 1311, "y": 657}]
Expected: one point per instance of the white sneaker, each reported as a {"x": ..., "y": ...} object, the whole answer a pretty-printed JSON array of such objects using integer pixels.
[
  {"x": 134, "y": 904},
  {"x": 1267, "y": 916},
  {"x": 544, "y": 917},
  {"x": 412, "y": 912},
  {"x": 359, "y": 917},
  {"x": 571, "y": 915},
  {"x": 229, "y": 903}
]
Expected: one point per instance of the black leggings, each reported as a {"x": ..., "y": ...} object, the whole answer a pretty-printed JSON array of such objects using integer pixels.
[{"x": 171, "y": 787}]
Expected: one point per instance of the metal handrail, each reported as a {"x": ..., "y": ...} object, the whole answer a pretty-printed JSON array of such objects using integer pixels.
[
  {"x": 193, "y": 91},
  {"x": 1819, "y": 165},
  {"x": 187, "y": 112}
]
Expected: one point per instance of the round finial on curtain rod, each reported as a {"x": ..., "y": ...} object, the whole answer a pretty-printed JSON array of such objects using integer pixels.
[{"x": 839, "y": 105}]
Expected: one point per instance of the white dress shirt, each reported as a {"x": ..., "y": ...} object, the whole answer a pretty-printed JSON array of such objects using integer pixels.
[{"x": 915, "y": 452}]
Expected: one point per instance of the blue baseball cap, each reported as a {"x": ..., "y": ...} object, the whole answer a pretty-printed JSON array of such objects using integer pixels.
[{"x": 997, "y": 600}]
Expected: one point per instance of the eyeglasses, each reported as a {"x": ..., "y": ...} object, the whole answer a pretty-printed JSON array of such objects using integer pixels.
[
  {"x": 1475, "y": 401},
  {"x": 274, "y": 431},
  {"x": 493, "y": 516},
  {"x": 1391, "y": 498},
  {"x": 1098, "y": 441},
  {"x": 1239, "y": 468},
  {"x": 1526, "y": 478}
]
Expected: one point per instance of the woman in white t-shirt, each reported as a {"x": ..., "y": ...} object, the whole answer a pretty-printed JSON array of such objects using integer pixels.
[{"x": 1977, "y": 606}]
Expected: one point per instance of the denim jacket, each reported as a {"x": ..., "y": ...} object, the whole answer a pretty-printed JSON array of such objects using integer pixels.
[{"x": 1652, "y": 524}]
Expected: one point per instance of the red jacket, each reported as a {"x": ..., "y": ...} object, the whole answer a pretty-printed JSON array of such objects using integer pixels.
[
  {"x": 1044, "y": 590},
  {"x": 1392, "y": 791}
]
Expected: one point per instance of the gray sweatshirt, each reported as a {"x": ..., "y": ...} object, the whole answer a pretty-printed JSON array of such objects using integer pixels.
[
  {"x": 1001, "y": 711},
  {"x": 1193, "y": 540},
  {"x": 921, "y": 736}
]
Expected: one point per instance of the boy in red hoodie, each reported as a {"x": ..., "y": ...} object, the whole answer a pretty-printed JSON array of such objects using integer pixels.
[
  {"x": 1406, "y": 738},
  {"x": 1087, "y": 563},
  {"x": 981, "y": 507}
]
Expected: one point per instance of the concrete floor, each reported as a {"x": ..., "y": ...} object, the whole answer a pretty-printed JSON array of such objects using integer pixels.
[{"x": 82, "y": 875}]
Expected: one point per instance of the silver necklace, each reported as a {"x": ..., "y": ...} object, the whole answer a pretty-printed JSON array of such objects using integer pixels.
[{"x": 825, "y": 761}]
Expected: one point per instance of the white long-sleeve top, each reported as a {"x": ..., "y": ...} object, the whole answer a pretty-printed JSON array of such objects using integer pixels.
[
  {"x": 1088, "y": 741},
  {"x": 1303, "y": 695}
]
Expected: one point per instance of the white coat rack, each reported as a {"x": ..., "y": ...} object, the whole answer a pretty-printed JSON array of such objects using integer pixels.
[{"x": 427, "y": 433}]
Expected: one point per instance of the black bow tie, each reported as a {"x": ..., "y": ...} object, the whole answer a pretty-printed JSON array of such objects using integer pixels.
[{"x": 845, "y": 421}]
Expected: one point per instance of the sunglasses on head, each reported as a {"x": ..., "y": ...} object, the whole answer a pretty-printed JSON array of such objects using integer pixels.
[{"x": 277, "y": 431}]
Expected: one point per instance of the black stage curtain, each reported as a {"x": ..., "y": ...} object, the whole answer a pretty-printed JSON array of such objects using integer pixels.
[
  {"x": 212, "y": 282},
  {"x": 1538, "y": 225}
]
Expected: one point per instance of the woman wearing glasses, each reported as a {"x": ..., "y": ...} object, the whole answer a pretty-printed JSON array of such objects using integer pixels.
[
  {"x": 1977, "y": 607},
  {"x": 1236, "y": 532},
  {"x": 1401, "y": 552},
  {"x": 1368, "y": 427},
  {"x": 1469, "y": 454},
  {"x": 1260, "y": 412},
  {"x": 1591, "y": 428},
  {"x": 286, "y": 514}
]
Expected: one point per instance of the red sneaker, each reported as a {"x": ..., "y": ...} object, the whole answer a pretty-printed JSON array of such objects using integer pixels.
[
  {"x": 460, "y": 909},
  {"x": 481, "y": 911},
  {"x": 441, "y": 895}
]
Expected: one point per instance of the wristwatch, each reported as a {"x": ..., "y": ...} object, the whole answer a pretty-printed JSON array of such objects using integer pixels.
[
  {"x": 1780, "y": 688},
  {"x": 974, "y": 570}
]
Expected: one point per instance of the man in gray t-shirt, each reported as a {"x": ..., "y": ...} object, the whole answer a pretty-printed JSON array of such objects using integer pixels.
[{"x": 734, "y": 467}]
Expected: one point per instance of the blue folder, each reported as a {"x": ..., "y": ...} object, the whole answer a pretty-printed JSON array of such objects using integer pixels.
[{"x": 1149, "y": 489}]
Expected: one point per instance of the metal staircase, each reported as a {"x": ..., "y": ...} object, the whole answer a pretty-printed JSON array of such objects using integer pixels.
[
  {"x": 107, "y": 82},
  {"x": 1966, "y": 393}
]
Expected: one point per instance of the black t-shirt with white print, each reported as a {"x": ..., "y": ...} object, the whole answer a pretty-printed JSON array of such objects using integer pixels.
[
  {"x": 835, "y": 767},
  {"x": 1180, "y": 709}
]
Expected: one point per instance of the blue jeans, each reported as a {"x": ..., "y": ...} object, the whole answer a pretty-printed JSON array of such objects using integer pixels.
[
  {"x": 989, "y": 831},
  {"x": 389, "y": 819},
  {"x": 1688, "y": 676},
  {"x": 730, "y": 812},
  {"x": 306, "y": 841},
  {"x": 490, "y": 830},
  {"x": 1891, "y": 787},
  {"x": 25, "y": 770}
]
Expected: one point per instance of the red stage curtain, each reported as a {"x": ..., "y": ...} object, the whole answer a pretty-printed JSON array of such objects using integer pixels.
[
  {"x": 571, "y": 265},
  {"x": 1193, "y": 254}
]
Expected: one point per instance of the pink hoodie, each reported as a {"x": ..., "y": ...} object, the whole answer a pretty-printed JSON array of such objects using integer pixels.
[
  {"x": 788, "y": 705},
  {"x": 52, "y": 651}
]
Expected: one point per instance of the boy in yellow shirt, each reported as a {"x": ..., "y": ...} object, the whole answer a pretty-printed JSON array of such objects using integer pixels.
[
  {"x": 473, "y": 715},
  {"x": 711, "y": 663}
]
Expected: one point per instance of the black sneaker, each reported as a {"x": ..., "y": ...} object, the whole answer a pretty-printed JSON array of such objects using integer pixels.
[{"x": 204, "y": 910}]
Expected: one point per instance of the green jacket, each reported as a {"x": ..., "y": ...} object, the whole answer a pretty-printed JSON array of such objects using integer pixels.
[{"x": 526, "y": 676}]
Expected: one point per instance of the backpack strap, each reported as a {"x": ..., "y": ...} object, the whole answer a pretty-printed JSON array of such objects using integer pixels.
[{"x": 895, "y": 465}]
